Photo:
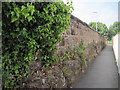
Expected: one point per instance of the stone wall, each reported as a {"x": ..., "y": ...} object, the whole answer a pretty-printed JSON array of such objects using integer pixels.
[
  {"x": 69, "y": 66},
  {"x": 79, "y": 30}
]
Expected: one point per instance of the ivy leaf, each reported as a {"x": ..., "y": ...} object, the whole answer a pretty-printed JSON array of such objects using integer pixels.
[
  {"x": 14, "y": 19},
  {"x": 16, "y": 71},
  {"x": 23, "y": 7},
  {"x": 12, "y": 13},
  {"x": 32, "y": 11},
  {"x": 26, "y": 14},
  {"x": 29, "y": 18}
]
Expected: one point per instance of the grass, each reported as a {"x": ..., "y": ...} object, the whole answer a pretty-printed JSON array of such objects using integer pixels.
[{"x": 109, "y": 42}]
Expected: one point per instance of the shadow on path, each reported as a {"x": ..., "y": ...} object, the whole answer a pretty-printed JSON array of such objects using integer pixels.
[{"x": 102, "y": 73}]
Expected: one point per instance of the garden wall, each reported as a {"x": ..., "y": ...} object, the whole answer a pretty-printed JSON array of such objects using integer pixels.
[
  {"x": 116, "y": 49},
  {"x": 70, "y": 65},
  {"x": 79, "y": 30}
]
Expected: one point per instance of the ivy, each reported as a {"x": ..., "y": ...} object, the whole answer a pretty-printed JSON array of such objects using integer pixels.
[{"x": 28, "y": 29}]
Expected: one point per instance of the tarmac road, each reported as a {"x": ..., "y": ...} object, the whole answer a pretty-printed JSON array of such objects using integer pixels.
[{"x": 102, "y": 73}]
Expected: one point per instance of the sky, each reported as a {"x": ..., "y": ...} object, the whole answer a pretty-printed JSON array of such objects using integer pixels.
[{"x": 106, "y": 11}]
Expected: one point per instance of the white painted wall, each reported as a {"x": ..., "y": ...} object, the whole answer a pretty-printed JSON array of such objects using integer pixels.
[{"x": 116, "y": 49}]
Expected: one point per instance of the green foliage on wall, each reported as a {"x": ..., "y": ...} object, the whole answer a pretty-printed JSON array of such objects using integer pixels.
[{"x": 30, "y": 28}]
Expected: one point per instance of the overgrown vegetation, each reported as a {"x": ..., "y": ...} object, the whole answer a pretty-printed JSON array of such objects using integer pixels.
[
  {"x": 80, "y": 52},
  {"x": 28, "y": 29},
  {"x": 71, "y": 52},
  {"x": 66, "y": 72}
]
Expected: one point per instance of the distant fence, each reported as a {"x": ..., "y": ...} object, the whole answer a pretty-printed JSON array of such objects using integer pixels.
[{"x": 116, "y": 49}]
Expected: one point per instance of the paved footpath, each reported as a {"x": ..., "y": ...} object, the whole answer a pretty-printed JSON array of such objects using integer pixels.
[{"x": 102, "y": 73}]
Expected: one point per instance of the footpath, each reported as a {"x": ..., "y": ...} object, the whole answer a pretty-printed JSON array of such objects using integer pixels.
[{"x": 102, "y": 73}]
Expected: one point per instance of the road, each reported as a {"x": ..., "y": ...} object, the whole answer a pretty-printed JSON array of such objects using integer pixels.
[{"x": 102, "y": 73}]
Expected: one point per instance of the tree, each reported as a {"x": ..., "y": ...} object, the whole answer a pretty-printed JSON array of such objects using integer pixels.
[
  {"x": 113, "y": 30},
  {"x": 101, "y": 28}
]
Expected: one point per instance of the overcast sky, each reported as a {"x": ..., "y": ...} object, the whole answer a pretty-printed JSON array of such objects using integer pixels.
[{"x": 107, "y": 11}]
